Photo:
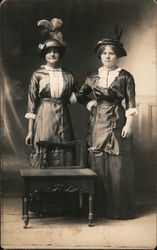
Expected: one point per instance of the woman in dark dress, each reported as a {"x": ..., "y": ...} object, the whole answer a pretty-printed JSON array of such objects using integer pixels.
[
  {"x": 51, "y": 90},
  {"x": 110, "y": 130}
]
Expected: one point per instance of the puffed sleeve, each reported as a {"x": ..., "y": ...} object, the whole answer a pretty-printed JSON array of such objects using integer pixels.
[
  {"x": 130, "y": 96},
  {"x": 33, "y": 97}
]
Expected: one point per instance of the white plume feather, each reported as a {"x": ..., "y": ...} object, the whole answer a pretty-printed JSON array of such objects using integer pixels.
[
  {"x": 56, "y": 23},
  {"x": 44, "y": 23}
]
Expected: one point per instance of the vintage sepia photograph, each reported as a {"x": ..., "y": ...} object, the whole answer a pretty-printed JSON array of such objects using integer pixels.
[{"x": 78, "y": 124}]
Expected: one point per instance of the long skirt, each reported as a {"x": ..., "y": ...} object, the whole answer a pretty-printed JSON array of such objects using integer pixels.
[
  {"x": 114, "y": 196},
  {"x": 52, "y": 125}
]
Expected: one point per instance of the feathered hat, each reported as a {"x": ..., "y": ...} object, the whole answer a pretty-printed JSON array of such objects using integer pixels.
[
  {"x": 51, "y": 28},
  {"x": 115, "y": 40}
]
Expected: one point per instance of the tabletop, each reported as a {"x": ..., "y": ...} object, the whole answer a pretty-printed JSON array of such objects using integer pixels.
[{"x": 86, "y": 172}]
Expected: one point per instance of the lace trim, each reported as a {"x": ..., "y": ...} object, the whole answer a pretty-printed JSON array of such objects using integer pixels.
[
  {"x": 131, "y": 111},
  {"x": 30, "y": 115},
  {"x": 107, "y": 77}
]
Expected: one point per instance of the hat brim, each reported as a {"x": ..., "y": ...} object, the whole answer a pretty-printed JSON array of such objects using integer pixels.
[
  {"x": 122, "y": 51},
  {"x": 52, "y": 44}
]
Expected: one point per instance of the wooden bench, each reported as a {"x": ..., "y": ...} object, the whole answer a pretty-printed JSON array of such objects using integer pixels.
[{"x": 52, "y": 180}]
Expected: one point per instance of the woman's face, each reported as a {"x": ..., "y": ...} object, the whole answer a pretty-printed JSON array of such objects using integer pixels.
[
  {"x": 109, "y": 58},
  {"x": 52, "y": 57}
]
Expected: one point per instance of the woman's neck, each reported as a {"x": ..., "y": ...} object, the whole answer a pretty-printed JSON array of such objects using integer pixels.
[
  {"x": 110, "y": 68},
  {"x": 53, "y": 66}
]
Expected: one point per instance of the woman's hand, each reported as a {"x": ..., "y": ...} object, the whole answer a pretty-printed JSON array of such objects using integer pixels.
[
  {"x": 73, "y": 98},
  {"x": 29, "y": 139},
  {"x": 126, "y": 131}
]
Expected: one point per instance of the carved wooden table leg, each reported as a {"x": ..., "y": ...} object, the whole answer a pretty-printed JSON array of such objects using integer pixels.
[
  {"x": 80, "y": 200},
  {"x": 22, "y": 207},
  {"x": 90, "y": 215},
  {"x": 26, "y": 216}
]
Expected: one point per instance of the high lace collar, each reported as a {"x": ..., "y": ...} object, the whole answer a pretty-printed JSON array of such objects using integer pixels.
[
  {"x": 52, "y": 69},
  {"x": 103, "y": 70},
  {"x": 107, "y": 77}
]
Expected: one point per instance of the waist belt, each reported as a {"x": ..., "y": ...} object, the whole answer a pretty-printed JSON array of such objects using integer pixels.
[
  {"x": 108, "y": 103},
  {"x": 55, "y": 100}
]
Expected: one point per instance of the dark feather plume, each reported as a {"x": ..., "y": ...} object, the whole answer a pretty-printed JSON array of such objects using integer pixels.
[{"x": 117, "y": 33}]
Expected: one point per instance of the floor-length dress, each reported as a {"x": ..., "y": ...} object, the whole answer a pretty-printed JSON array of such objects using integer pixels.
[{"x": 111, "y": 155}]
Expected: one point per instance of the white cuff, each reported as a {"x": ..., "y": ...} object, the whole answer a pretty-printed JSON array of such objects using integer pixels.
[
  {"x": 30, "y": 115},
  {"x": 131, "y": 111},
  {"x": 91, "y": 104},
  {"x": 73, "y": 98}
]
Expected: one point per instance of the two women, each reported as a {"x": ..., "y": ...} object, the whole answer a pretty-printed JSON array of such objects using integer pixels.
[{"x": 110, "y": 126}]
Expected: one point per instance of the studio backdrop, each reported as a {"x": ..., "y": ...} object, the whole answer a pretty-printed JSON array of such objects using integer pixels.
[{"x": 85, "y": 22}]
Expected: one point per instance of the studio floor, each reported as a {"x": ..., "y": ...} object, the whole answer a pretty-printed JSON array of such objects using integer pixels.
[{"x": 70, "y": 232}]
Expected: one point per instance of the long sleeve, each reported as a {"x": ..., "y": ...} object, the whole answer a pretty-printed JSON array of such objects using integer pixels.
[
  {"x": 130, "y": 96},
  {"x": 82, "y": 93},
  {"x": 33, "y": 98}
]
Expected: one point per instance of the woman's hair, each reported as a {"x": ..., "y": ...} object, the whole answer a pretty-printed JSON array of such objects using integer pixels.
[
  {"x": 60, "y": 50},
  {"x": 101, "y": 49}
]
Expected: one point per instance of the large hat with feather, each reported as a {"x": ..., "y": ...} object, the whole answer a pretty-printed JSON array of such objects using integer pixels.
[
  {"x": 51, "y": 28},
  {"x": 114, "y": 40}
]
